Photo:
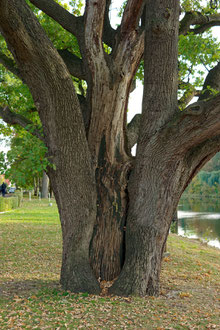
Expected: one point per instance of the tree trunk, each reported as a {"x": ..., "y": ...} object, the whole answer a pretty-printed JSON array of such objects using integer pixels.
[
  {"x": 76, "y": 200},
  {"x": 55, "y": 98},
  {"x": 151, "y": 210},
  {"x": 107, "y": 250},
  {"x": 112, "y": 167},
  {"x": 154, "y": 186},
  {"x": 45, "y": 185}
]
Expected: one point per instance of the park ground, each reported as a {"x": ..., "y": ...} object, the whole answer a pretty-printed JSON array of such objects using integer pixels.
[{"x": 31, "y": 298}]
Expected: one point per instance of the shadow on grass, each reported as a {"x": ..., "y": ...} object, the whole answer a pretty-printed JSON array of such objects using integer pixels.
[{"x": 26, "y": 288}]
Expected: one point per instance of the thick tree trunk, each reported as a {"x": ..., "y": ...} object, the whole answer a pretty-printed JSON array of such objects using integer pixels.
[
  {"x": 76, "y": 201},
  {"x": 107, "y": 145},
  {"x": 72, "y": 176},
  {"x": 154, "y": 187},
  {"x": 151, "y": 210},
  {"x": 107, "y": 250}
]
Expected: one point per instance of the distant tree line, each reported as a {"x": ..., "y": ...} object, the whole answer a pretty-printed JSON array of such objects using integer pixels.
[{"x": 207, "y": 181}]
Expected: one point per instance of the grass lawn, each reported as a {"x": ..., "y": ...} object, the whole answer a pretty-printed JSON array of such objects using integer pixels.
[{"x": 31, "y": 298}]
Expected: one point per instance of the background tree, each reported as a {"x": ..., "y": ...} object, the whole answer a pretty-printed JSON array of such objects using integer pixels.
[
  {"x": 87, "y": 135},
  {"x": 26, "y": 161}
]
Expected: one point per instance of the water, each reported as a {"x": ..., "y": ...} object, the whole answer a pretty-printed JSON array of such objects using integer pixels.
[{"x": 200, "y": 218}]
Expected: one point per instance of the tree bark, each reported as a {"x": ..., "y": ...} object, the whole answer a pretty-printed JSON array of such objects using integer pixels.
[
  {"x": 107, "y": 250},
  {"x": 55, "y": 98},
  {"x": 153, "y": 187},
  {"x": 111, "y": 76}
]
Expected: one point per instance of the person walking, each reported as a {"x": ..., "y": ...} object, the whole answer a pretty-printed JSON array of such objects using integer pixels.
[{"x": 3, "y": 188}]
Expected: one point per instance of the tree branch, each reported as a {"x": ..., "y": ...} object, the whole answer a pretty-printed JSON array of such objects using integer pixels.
[
  {"x": 67, "y": 20},
  {"x": 205, "y": 27},
  {"x": 9, "y": 64},
  {"x": 94, "y": 25},
  {"x": 13, "y": 118},
  {"x": 133, "y": 130},
  {"x": 200, "y": 121},
  {"x": 74, "y": 64},
  {"x": 196, "y": 18},
  {"x": 131, "y": 16},
  {"x": 212, "y": 80},
  {"x": 44, "y": 71}
]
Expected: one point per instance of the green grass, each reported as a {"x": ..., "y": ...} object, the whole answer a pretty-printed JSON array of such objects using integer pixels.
[{"x": 31, "y": 297}]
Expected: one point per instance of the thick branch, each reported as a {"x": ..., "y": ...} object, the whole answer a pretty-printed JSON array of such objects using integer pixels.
[
  {"x": 10, "y": 65},
  {"x": 200, "y": 121},
  {"x": 43, "y": 69},
  {"x": 67, "y": 20},
  {"x": 74, "y": 64},
  {"x": 131, "y": 16},
  {"x": 13, "y": 118},
  {"x": 160, "y": 60},
  {"x": 212, "y": 82},
  {"x": 94, "y": 13},
  {"x": 205, "y": 27},
  {"x": 133, "y": 130},
  {"x": 196, "y": 18}
]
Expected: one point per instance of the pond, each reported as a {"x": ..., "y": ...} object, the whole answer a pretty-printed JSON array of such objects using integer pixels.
[{"x": 200, "y": 218}]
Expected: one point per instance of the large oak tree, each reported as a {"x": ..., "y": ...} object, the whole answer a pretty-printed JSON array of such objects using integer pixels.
[{"x": 115, "y": 209}]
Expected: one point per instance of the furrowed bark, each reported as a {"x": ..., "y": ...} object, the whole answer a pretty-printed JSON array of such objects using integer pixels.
[
  {"x": 166, "y": 160},
  {"x": 131, "y": 15},
  {"x": 55, "y": 98},
  {"x": 151, "y": 202},
  {"x": 110, "y": 79}
]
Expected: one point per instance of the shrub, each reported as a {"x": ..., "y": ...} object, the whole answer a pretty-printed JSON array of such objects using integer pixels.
[{"x": 9, "y": 203}]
